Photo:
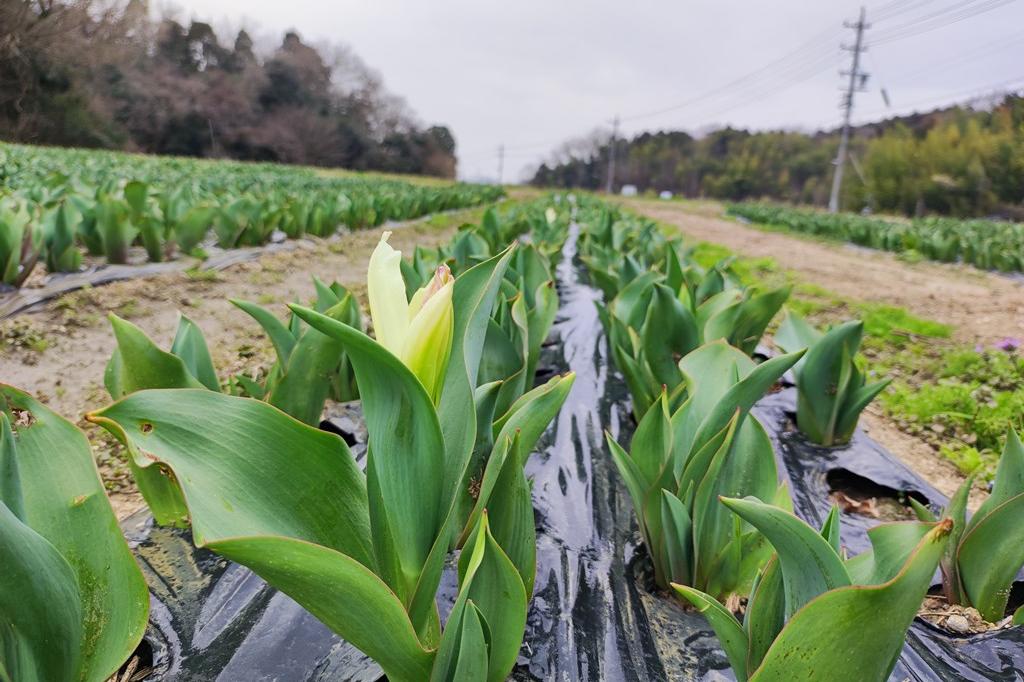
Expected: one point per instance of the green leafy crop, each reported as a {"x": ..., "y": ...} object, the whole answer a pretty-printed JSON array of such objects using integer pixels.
[
  {"x": 986, "y": 552},
  {"x": 831, "y": 390},
  {"x": 680, "y": 462}
]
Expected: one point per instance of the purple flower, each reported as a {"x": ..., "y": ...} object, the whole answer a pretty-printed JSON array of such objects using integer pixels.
[
  {"x": 979, "y": 348},
  {"x": 1009, "y": 344}
]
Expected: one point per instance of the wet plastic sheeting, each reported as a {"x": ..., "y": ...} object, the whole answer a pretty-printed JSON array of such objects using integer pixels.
[
  {"x": 592, "y": 616},
  {"x": 991, "y": 656}
]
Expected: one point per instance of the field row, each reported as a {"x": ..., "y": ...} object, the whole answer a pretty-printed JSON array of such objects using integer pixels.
[
  {"x": 118, "y": 208},
  {"x": 986, "y": 244}
]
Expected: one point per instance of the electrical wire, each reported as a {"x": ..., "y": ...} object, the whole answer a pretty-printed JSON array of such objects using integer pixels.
[
  {"x": 963, "y": 57},
  {"x": 920, "y": 26},
  {"x": 769, "y": 88},
  {"x": 894, "y": 9},
  {"x": 975, "y": 93},
  {"x": 786, "y": 61}
]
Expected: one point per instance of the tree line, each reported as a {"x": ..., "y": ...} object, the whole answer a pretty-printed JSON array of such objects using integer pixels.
[
  {"x": 963, "y": 161},
  {"x": 88, "y": 73}
]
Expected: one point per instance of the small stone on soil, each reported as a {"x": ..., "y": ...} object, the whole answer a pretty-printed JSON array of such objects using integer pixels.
[{"x": 957, "y": 619}]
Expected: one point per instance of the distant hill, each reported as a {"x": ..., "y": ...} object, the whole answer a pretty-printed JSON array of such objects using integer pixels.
[
  {"x": 959, "y": 160},
  {"x": 87, "y": 73}
]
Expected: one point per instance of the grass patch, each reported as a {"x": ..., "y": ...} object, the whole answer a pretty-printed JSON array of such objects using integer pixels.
[
  {"x": 202, "y": 275},
  {"x": 707, "y": 254},
  {"x": 896, "y": 325},
  {"x": 129, "y": 308},
  {"x": 965, "y": 416},
  {"x": 24, "y": 334}
]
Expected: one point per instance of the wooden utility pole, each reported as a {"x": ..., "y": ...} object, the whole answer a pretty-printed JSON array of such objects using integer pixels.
[{"x": 609, "y": 185}]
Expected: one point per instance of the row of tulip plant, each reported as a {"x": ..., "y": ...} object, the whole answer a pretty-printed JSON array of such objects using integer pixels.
[
  {"x": 169, "y": 207},
  {"x": 447, "y": 392},
  {"x": 701, "y": 471},
  {"x": 986, "y": 244}
]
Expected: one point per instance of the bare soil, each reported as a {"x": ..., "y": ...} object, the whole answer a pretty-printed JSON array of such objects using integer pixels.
[
  {"x": 982, "y": 307},
  {"x": 59, "y": 352}
]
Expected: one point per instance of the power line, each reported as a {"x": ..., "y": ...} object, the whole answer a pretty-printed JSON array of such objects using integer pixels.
[
  {"x": 975, "y": 94},
  {"x": 794, "y": 67},
  {"x": 937, "y": 21},
  {"x": 954, "y": 7},
  {"x": 786, "y": 61},
  {"x": 964, "y": 57},
  {"x": 894, "y": 9},
  {"x": 807, "y": 60},
  {"x": 769, "y": 87}
]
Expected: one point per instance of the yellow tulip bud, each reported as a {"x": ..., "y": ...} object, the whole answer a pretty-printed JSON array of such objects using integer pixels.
[
  {"x": 428, "y": 343},
  {"x": 418, "y": 332}
]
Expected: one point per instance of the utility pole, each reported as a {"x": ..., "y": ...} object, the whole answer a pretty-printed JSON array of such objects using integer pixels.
[
  {"x": 501, "y": 162},
  {"x": 857, "y": 81},
  {"x": 611, "y": 157}
]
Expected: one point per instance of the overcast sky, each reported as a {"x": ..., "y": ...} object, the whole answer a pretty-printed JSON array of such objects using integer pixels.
[{"x": 531, "y": 74}]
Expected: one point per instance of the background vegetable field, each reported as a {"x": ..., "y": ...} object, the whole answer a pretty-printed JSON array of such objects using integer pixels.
[{"x": 57, "y": 205}]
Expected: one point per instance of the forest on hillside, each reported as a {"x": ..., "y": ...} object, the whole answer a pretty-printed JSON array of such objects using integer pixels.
[
  {"x": 88, "y": 73},
  {"x": 964, "y": 161}
]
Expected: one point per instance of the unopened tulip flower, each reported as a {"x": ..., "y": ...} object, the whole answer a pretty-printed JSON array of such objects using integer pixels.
[{"x": 418, "y": 332}]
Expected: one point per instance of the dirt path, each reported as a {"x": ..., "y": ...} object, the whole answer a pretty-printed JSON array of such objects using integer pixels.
[
  {"x": 59, "y": 353},
  {"x": 981, "y": 307}
]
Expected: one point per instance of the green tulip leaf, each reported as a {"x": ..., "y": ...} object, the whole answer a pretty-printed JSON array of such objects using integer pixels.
[
  {"x": 810, "y": 566},
  {"x": 65, "y": 510},
  {"x": 830, "y": 635}
]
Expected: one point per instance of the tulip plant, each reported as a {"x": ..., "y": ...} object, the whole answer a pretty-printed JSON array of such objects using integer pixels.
[
  {"x": 812, "y": 614},
  {"x": 986, "y": 552},
  {"x": 527, "y": 302},
  {"x": 106, "y": 204},
  {"x": 308, "y": 369},
  {"x": 62, "y": 254},
  {"x": 831, "y": 389},
  {"x": 658, "y": 318},
  {"x": 20, "y": 243},
  {"x": 680, "y": 462},
  {"x": 311, "y": 367},
  {"x": 365, "y": 552},
  {"x": 306, "y": 373},
  {"x": 73, "y": 602}
]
